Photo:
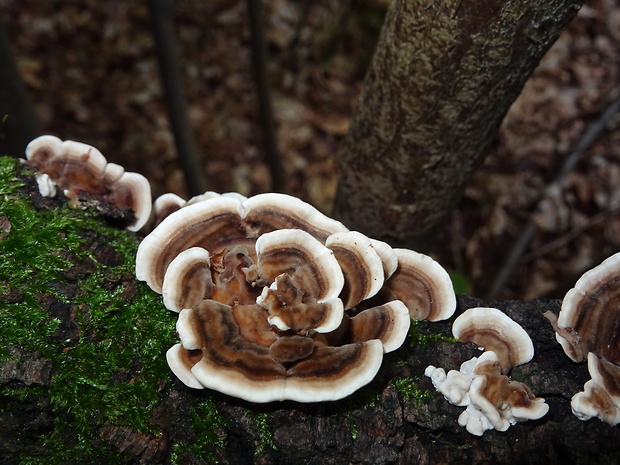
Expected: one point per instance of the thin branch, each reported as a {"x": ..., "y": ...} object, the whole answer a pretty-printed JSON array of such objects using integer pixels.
[
  {"x": 569, "y": 236},
  {"x": 162, "y": 19},
  {"x": 18, "y": 122},
  {"x": 522, "y": 242},
  {"x": 259, "y": 60},
  {"x": 293, "y": 57}
]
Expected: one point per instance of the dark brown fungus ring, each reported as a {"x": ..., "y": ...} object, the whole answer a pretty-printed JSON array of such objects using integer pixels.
[
  {"x": 188, "y": 280},
  {"x": 164, "y": 206},
  {"x": 78, "y": 168},
  {"x": 423, "y": 285},
  {"x": 297, "y": 253},
  {"x": 230, "y": 364},
  {"x": 278, "y": 301},
  {"x": 388, "y": 323},
  {"x": 588, "y": 328},
  {"x": 361, "y": 265},
  {"x": 601, "y": 395},
  {"x": 493, "y": 330},
  {"x": 591, "y": 315},
  {"x": 305, "y": 282}
]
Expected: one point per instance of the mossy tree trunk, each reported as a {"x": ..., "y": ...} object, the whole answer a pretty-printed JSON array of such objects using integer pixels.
[
  {"x": 443, "y": 76},
  {"x": 83, "y": 376}
]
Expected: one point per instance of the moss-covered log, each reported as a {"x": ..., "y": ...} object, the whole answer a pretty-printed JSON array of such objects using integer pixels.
[{"x": 83, "y": 378}]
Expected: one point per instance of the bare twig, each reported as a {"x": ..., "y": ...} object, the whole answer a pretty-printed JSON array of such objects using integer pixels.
[
  {"x": 293, "y": 47},
  {"x": 259, "y": 60},
  {"x": 18, "y": 122},
  {"x": 162, "y": 19},
  {"x": 569, "y": 236},
  {"x": 530, "y": 228}
]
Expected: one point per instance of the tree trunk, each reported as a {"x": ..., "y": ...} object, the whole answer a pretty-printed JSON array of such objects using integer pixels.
[
  {"x": 83, "y": 376},
  {"x": 442, "y": 78}
]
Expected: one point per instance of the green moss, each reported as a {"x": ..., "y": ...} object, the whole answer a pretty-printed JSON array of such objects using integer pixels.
[
  {"x": 206, "y": 423},
  {"x": 419, "y": 337},
  {"x": 122, "y": 329},
  {"x": 410, "y": 390},
  {"x": 265, "y": 437},
  {"x": 352, "y": 425}
]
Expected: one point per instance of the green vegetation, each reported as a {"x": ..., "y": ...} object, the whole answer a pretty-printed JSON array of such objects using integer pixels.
[
  {"x": 410, "y": 390},
  {"x": 122, "y": 329},
  {"x": 265, "y": 437},
  {"x": 206, "y": 421},
  {"x": 418, "y": 337},
  {"x": 460, "y": 282}
]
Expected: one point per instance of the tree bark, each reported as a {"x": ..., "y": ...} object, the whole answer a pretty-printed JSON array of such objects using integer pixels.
[
  {"x": 51, "y": 394},
  {"x": 441, "y": 80}
]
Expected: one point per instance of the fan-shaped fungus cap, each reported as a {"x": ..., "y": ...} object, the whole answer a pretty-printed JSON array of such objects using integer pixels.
[
  {"x": 388, "y": 323},
  {"x": 601, "y": 396},
  {"x": 259, "y": 284},
  {"x": 589, "y": 317},
  {"x": 388, "y": 256},
  {"x": 188, "y": 280},
  {"x": 499, "y": 400},
  {"x": 362, "y": 266},
  {"x": 306, "y": 282},
  {"x": 423, "y": 285},
  {"x": 165, "y": 205},
  {"x": 133, "y": 191},
  {"x": 79, "y": 168},
  {"x": 222, "y": 221},
  {"x": 214, "y": 354},
  {"x": 493, "y": 330}
]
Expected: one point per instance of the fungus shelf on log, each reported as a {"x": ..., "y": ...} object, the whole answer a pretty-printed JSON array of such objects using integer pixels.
[{"x": 277, "y": 301}]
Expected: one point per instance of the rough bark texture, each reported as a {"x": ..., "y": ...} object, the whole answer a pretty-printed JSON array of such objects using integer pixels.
[
  {"x": 387, "y": 422},
  {"x": 442, "y": 78}
]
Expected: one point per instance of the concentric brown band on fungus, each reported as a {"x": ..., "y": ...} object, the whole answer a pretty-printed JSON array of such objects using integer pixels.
[
  {"x": 590, "y": 311},
  {"x": 588, "y": 328},
  {"x": 495, "y": 331},
  {"x": 278, "y": 301}
]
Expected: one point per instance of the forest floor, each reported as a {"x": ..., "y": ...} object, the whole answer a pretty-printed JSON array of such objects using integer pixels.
[{"x": 92, "y": 74}]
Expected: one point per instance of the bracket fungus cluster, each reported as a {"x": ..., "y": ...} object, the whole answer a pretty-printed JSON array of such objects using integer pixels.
[
  {"x": 491, "y": 398},
  {"x": 81, "y": 171},
  {"x": 588, "y": 328},
  {"x": 278, "y": 302}
]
